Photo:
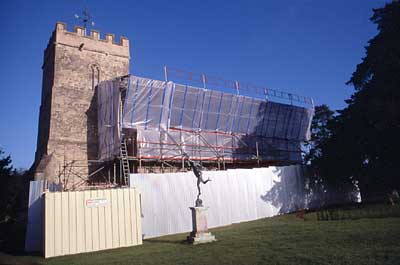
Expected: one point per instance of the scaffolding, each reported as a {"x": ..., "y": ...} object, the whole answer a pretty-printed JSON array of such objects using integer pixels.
[{"x": 151, "y": 125}]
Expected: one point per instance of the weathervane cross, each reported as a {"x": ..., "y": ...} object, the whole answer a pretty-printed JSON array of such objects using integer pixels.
[{"x": 85, "y": 18}]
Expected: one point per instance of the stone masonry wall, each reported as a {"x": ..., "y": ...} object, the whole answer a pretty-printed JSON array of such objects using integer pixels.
[{"x": 69, "y": 135}]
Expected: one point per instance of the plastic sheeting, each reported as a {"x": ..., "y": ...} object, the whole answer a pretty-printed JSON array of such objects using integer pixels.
[
  {"x": 172, "y": 118},
  {"x": 147, "y": 103},
  {"x": 205, "y": 146},
  {"x": 108, "y": 111},
  {"x": 232, "y": 196},
  {"x": 156, "y": 104},
  {"x": 34, "y": 229}
]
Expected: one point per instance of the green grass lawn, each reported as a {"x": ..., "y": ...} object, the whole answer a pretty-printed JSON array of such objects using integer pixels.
[{"x": 279, "y": 240}]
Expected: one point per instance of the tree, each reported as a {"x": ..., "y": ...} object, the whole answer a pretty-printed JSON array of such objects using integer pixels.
[
  {"x": 320, "y": 133},
  {"x": 6, "y": 171},
  {"x": 5, "y": 165},
  {"x": 364, "y": 137},
  {"x": 12, "y": 189},
  {"x": 372, "y": 118},
  {"x": 13, "y": 204},
  {"x": 313, "y": 152}
]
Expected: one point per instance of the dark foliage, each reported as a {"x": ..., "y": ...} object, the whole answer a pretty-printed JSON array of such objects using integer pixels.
[
  {"x": 320, "y": 133},
  {"x": 371, "y": 121},
  {"x": 13, "y": 204},
  {"x": 361, "y": 144}
]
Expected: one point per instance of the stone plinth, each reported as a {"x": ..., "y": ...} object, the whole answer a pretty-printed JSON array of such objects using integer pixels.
[{"x": 200, "y": 232}]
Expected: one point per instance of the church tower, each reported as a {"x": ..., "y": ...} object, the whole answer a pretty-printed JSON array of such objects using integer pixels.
[{"x": 74, "y": 63}]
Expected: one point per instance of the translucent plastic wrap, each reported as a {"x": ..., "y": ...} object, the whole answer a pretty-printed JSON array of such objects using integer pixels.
[
  {"x": 151, "y": 104},
  {"x": 34, "y": 226},
  {"x": 205, "y": 124},
  {"x": 207, "y": 145},
  {"x": 108, "y": 104}
]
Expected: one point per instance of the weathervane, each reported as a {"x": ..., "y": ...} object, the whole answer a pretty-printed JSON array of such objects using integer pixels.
[{"x": 85, "y": 18}]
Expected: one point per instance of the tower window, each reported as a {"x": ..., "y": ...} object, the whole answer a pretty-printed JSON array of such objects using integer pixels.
[{"x": 95, "y": 75}]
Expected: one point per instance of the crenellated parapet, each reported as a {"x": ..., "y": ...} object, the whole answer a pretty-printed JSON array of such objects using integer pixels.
[
  {"x": 94, "y": 34},
  {"x": 80, "y": 39}
]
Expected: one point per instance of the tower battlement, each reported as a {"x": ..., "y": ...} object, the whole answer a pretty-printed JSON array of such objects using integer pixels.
[
  {"x": 94, "y": 34},
  {"x": 80, "y": 39}
]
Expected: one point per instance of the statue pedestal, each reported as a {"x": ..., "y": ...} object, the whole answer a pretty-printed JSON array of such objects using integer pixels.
[{"x": 200, "y": 233}]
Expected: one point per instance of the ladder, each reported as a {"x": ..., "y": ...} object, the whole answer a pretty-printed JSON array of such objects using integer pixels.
[{"x": 124, "y": 161}]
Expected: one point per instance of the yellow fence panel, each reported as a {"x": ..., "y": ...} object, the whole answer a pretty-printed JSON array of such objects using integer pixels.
[{"x": 92, "y": 220}]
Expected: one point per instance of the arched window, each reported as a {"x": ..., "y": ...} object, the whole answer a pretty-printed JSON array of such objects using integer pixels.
[{"x": 95, "y": 75}]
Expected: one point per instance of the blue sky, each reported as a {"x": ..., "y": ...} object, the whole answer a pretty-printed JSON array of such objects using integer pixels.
[{"x": 300, "y": 46}]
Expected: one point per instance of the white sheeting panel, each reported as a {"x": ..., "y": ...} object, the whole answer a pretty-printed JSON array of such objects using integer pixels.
[
  {"x": 34, "y": 229},
  {"x": 232, "y": 196}
]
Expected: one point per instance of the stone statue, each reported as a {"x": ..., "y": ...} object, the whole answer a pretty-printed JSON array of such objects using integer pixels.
[{"x": 197, "y": 170}]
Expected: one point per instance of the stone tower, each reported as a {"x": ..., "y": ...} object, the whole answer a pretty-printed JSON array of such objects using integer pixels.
[{"x": 73, "y": 65}]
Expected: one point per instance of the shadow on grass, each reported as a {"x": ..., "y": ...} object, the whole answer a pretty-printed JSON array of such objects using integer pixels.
[
  {"x": 359, "y": 211},
  {"x": 165, "y": 241}
]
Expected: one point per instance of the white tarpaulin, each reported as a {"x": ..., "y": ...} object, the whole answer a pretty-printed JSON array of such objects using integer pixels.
[
  {"x": 34, "y": 228},
  {"x": 232, "y": 196}
]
